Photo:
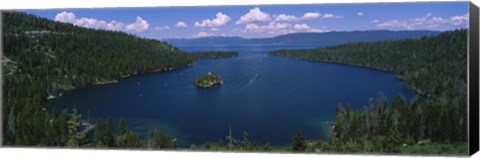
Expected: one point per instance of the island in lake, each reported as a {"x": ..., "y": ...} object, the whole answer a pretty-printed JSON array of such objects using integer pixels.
[{"x": 209, "y": 80}]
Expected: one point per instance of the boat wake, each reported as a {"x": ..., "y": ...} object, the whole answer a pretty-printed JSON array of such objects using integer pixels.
[{"x": 253, "y": 79}]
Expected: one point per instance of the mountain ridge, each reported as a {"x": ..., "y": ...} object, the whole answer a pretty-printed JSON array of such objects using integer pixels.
[{"x": 308, "y": 37}]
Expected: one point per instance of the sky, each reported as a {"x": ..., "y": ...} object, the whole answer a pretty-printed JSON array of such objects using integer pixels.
[{"x": 267, "y": 20}]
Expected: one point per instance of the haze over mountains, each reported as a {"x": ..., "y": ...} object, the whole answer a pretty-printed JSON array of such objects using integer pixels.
[{"x": 309, "y": 38}]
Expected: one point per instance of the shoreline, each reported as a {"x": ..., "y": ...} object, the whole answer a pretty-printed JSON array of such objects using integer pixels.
[{"x": 116, "y": 80}]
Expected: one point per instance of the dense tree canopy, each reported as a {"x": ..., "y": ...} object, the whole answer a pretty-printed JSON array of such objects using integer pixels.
[
  {"x": 43, "y": 58},
  {"x": 435, "y": 66}
]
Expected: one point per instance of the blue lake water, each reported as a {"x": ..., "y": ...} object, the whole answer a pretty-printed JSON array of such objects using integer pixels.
[{"x": 269, "y": 97}]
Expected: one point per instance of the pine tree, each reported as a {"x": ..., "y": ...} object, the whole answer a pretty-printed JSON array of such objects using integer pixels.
[
  {"x": 230, "y": 138},
  {"x": 100, "y": 145},
  {"x": 157, "y": 139},
  {"x": 89, "y": 116},
  {"x": 246, "y": 144},
  {"x": 48, "y": 126},
  {"x": 404, "y": 114},
  {"x": 128, "y": 140},
  {"x": 373, "y": 117},
  {"x": 220, "y": 143},
  {"x": 10, "y": 134},
  {"x": 52, "y": 133},
  {"x": 348, "y": 122},
  {"x": 339, "y": 122},
  {"x": 99, "y": 132},
  {"x": 109, "y": 137},
  {"x": 36, "y": 127},
  {"x": 133, "y": 140},
  {"x": 62, "y": 127},
  {"x": 122, "y": 126},
  {"x": 75, "y": 137},
  {"x": 393, "y": 137},
  {"x": 299, "y": 143},
  {"x": 365, "y": 127}
]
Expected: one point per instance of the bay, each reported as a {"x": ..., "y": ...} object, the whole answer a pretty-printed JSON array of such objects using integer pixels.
[{"x": 267, "y": 96}]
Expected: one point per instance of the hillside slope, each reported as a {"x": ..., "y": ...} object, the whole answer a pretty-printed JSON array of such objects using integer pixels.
[
  {"x": 435, "y": 66},
  {"x": 43, "y": 58}
]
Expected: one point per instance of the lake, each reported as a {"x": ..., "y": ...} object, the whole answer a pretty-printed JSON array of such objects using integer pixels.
[{"x": 267, "y": 96}]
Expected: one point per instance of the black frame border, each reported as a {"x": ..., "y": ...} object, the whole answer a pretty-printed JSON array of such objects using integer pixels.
[{"x": 473, "y": 109}]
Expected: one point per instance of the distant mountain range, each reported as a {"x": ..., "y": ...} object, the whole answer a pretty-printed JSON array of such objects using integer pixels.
[{"x": 308, "y": 38}]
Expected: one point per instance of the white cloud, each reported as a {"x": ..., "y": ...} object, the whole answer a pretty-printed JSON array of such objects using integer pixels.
[
  {"x": 375, "y": 21},
  {"x": 254, "y": 15},
  {"x": 203, "y": 34},
  {"x": 331, "y": 16},
  {"x": 427, "y": 22},
  {"x": 115, "y": 25},
  {"x": 301, "y": 26},
  {"x": 66, "y": 17},
  {"x": 306, "y": 16},
  {"x": 214, "y": 29},
  {"x": 458, "y": 20},
  {"x": 181, "y": 24},
  {"x": 275, "y": 28},
  {"x": 93, "y": 23},
  {"x": 428, "y": 15},
  {"x": 220, "y": 20},
  {"x": 284, "y": 17},
  {"x": 360, "y": 14},
  {"x": 271, "y": 28},
  {"x": 162, "y": 28},
  {"x": 140, "y": 25},
  {"x": 311, "y": 15},
  {"x": 328, "y": 16}
]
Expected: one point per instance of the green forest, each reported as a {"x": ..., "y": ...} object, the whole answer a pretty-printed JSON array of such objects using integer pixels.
[
  {"x": 42, "y": 59},
  {"x": 434, "y": 66}
]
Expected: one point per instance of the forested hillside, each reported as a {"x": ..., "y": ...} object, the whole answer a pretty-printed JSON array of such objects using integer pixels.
[
  {"x": 435, "y": 66},
  {"x": 42, "y": 58}
]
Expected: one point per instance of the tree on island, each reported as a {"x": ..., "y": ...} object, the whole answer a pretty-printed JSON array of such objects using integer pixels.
[{"x": 211, "y": 79}]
